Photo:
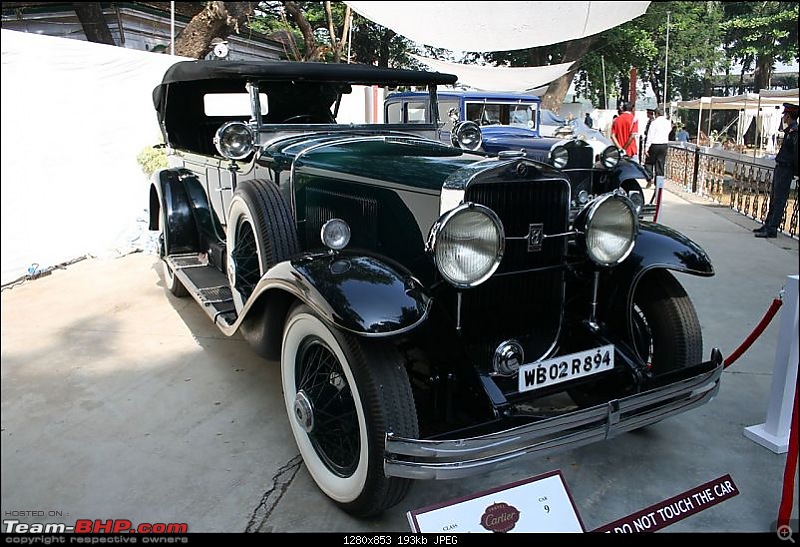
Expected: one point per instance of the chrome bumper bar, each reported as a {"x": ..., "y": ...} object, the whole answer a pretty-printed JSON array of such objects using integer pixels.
[{"x": 450, "y": 459}]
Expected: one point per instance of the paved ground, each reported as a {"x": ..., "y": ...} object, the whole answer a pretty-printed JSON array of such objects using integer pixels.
[{"x": 119, "y": 401}]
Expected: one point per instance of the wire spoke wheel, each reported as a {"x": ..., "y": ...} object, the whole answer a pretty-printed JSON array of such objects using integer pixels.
[
  {"x": 343, "y": 394},
  {"x": 245, "y": 260},
  {"x": 335, "y": 434}
]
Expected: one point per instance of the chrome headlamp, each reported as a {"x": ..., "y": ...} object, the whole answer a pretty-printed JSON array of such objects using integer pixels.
[
  {"x": 610, "y": 157},
  {"x": 335, "y": 234},
  {"x": 467, "y": 135},
  {"x": 467, "y": 245},
  {"x": 235, "y": 140},
  {"x": 608, "y": 226},
  {"x": 559, "y": 156}
]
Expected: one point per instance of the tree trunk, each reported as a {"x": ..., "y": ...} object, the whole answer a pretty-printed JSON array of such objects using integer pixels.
[
  {"x": 384, "y": 50},
  {"x": 312, "y": 51},
  {"x": 337, "y": 45},
  {"x": 93, "y": 22},
  {"x": 557, "y": 90},
  {"x": 217, "y": 20},
  {"x": 762, "y": 73}
]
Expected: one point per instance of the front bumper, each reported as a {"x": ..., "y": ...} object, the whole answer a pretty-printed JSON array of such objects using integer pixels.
[{"x": 449, "y": 459}]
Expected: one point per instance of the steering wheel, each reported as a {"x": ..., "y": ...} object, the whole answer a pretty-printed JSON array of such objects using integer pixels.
[{"x": 307, "y": 117}]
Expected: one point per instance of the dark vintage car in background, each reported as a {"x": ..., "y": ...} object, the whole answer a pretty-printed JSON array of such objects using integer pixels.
[
  {"x": 421, "y": 300},
  {"x": 495, "y": 122}
]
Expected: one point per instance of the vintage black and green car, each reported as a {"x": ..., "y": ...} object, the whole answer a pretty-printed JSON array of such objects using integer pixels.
[{"x": 422, "y": 300}]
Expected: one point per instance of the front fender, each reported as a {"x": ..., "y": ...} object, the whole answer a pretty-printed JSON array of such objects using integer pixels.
[
  {"x": 359, "y": 294},
  {"x": 629, "y": 170},
  {"x": 657, "y": 246}
]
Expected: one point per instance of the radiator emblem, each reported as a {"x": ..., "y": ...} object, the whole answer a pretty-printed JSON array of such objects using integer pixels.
[{"x": 535, "y": 237}]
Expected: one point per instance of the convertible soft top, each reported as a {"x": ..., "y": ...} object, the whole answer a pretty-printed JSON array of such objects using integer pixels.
[{"x": 186, "y": 71}]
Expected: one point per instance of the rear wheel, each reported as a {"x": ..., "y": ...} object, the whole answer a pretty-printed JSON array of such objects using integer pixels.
[
  {"x": 342, "y": 395},
  {"x": 173, "y": 285}
]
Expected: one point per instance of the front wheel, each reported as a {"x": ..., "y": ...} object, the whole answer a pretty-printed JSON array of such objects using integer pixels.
[
  {"x": 342, "y": 395},
  {"x": 663, "y": 330},
  {"x": 664, "y": 326}
]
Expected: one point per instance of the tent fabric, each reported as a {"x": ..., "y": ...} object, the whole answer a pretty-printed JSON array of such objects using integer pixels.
[
  {"x": 75, "y": 117},
  {"x": 745, "y": 100},
  {"x": 497, "y": 26},
  {"x": 491, "y": 78}
]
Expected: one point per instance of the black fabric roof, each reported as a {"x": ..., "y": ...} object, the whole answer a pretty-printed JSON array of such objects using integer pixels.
[{"x": 286, "y": 70}]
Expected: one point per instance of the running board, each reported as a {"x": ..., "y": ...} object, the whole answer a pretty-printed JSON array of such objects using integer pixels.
[{"x": 207, "y": 285}]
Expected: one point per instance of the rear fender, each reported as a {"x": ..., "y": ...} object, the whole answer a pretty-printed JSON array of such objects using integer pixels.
[{"x": 168, "y": 195}]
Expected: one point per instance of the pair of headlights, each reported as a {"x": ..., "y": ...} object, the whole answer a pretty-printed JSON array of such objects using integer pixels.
[
  {"x": 609, "y": 157},
  {"x": 468, "y": 242}
]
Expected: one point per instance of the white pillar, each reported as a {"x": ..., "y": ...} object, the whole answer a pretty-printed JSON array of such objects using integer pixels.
[{"x": 774, "y": 433}]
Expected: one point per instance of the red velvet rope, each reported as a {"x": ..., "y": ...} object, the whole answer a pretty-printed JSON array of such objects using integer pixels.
[
  {"x": 785, "y": 509},
  {"x": 773, "y": 309}
]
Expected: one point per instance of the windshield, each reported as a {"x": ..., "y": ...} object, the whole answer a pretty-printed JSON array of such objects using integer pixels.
[{"x": 514, "y": 114}]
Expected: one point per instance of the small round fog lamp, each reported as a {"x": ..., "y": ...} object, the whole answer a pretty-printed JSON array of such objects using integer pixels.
[{"x": 335, "y": 234}]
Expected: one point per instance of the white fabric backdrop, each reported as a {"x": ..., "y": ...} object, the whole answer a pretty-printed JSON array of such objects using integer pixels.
[
  {"x": 497, "y": 26},
  {"x": 75, "y": 115}
]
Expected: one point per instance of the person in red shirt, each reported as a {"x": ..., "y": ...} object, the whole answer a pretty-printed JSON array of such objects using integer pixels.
[{"x": 625, "y": 131}]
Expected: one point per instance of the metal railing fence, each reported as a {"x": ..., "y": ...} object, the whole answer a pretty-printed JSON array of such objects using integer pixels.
[{"x": 739, "y": 183}]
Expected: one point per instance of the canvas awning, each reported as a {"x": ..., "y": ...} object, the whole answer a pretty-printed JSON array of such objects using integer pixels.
[
  {"x": 497, "y": 26},
  {"x": 492, "y": 78},
  {"x": 765, "y": 98}
]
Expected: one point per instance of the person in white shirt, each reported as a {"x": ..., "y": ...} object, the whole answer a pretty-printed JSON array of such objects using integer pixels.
[{"x": 657, "y": 142}]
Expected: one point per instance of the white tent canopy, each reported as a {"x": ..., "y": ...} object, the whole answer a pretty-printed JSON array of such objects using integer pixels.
[
  {"x": 746, "y": 100},
  {"x": 497, "y": 26},
  {"x": 491, "y": 78},
  {"x": 764, "y": 106}
]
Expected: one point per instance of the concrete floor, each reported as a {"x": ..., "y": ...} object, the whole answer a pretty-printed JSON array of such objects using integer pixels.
[{"x": 120, "y": 401}]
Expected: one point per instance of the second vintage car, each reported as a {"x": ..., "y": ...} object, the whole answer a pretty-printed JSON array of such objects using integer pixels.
[
  {"x": 421, "y": 300},
  {"x": 495, "y": 123}
]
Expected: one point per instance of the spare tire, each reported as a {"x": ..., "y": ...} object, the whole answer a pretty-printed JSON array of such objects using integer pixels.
[{"x": 260, "y": 234}]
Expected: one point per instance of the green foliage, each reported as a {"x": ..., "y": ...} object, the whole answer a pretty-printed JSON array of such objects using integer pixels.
[
  {"x": 371, "y": 43},
  {"x": 151, "y": 159}
]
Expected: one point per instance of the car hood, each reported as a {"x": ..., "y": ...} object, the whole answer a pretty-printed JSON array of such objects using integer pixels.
[
  {"x": 404, "y": 160},
  {"x": 497, "y": 138}
]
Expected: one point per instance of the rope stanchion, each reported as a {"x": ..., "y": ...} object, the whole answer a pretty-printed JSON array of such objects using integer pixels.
[
  {"x": 773, "y": 309},
  {"x": 785, "y": 508}
]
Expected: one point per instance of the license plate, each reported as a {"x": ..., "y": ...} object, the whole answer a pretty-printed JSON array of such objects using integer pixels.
[{"x": 566, "y": 368}]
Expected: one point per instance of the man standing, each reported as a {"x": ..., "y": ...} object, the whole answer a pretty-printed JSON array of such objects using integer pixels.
[
  {"x": 657, "y": 142},
  {"x": 785, "y": 171},
  {"x": 588, "y": 121},
  {"x": 682, "y": 135},
  {"x": 624, "y": 131}
]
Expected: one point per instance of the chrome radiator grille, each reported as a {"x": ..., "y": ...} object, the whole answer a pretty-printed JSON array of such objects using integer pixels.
[{"x": 524, "y": 299}]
